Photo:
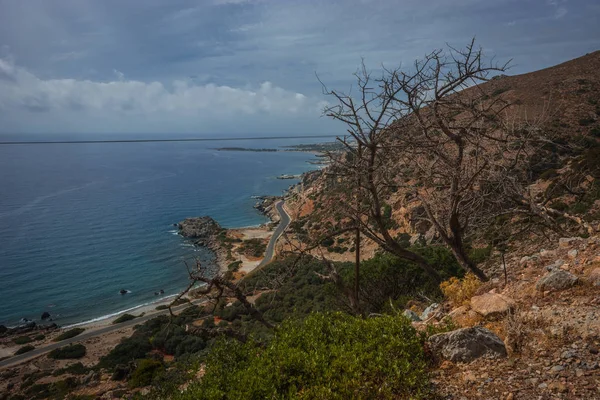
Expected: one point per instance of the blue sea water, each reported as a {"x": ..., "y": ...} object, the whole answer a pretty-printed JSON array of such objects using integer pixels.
[{"x": 79, "y": 222}]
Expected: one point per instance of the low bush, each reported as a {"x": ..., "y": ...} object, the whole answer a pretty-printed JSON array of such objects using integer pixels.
[
  {"x": 459, "y": 291},
  {"x": 162, "y": 307},
  {"x": 74, "y": 369},
  {"x": 39, "y": 337},
  {"x": 24, "y": 349},
  {"x": 69, "y": 352},
  {"x": 124, "y": 318},
  {"x": 69, "y": 334},
  {"x": 253, "y": 247},
  {"x": 145, "y": 372},
  {"x": 480, "y": 254},
  {"x": 22, "y": 340},
  {"x": 327, "y": 356}
]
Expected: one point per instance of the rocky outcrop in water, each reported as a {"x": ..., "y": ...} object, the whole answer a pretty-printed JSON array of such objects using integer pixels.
[
  {"x": 203, "y": 228},
  {"x": 205, "y": 231}
]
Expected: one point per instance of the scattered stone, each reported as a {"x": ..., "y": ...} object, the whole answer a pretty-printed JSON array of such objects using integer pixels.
[
  {"x": 556, "y": 280},
  {"x": 492, "y": 304},
  {"x": 557, "y": 368},
  {"x": 429, "y": 310},
  {"x": 547, "y": 253},
  {"x": 525, "y": 260},
  {"x": 573, "y": 253},
  {"x": 411, "y": 315},
  {"x": 90, "y": 377},
  {"x": 568, "y": 242},
  {"x": 558, "y": 387},
  {"x": 467, "y": 344},
  {"x": 594, "y": 277}
]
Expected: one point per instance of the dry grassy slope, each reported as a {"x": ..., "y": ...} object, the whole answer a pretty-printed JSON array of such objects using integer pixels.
[{"x": 564, "y": 98}]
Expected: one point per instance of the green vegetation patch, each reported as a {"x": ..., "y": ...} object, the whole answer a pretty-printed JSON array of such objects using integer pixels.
[
  {"x": 22, "y": 340},
  {"x": 24, "y": 349},
  {"x": 145, "y": 373},
  {"x": 253, "y": 247},
  {"x": 327, "y": 356},
  {"x": 74, "y": 369},
  {"x": 69, "y": 334},
  {"x": 69, "y": 352},
  {"x": 124, "y": 318}
]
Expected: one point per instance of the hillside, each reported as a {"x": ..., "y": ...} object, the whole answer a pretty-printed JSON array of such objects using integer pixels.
[
  {"x": 309, "y": 326},
  {"x": 563, "y": 100}
]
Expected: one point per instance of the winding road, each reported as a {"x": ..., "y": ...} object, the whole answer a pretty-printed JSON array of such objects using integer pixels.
[
  {"x": 284, "y": 222},
  {"x": 269, "y": 253}
]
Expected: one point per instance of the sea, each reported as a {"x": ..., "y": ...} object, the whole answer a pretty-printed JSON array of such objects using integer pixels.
[{"x": 79, "y": 222}]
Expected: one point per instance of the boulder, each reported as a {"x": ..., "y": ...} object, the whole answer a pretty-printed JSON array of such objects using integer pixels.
[
  {"x": 45, "y": 315},
  {"x": 465, "y": 317},
  {"x": 411, "y": 315},
  {"x": 594, "y": 277},
  {"x": 557, "y": 279},
  {"x": 492, "y": 304},
  {"x": 467, "y": 344},
  {"x": 3, "y": 329}
]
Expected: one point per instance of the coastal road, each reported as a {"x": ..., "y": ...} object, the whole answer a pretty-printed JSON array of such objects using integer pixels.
[
  {"x": 284, "y": 221},
  {"x": 14, "y": 360}
]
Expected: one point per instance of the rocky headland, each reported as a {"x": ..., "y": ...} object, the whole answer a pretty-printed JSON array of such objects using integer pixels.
[{"x": 205, "y": 232}]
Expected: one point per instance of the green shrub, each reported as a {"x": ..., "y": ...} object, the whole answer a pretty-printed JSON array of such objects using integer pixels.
[
  {"x": 124, "y": 318},
  {"x": 146, "y": 370},
  {"x": 39, "y": 337},
  {"x": 586, "y": 121},
  {"x": 253, "y": 247},
  {"x": 549, "y": 174},
  {"x": 595, "y": 131},
  {"x": 24, "y": 349},
  {"x": 327, "y": 356},
  {"x": 68, "y": 352},
  {"x": 22, "y": 340},
  {"x": 74, "y": 369},
  {"x": 162, "y": 307},
  {"x": 499, "y": 91},
  {"x": 479, "y": 255},
  {"x": 69, "y": 334}
]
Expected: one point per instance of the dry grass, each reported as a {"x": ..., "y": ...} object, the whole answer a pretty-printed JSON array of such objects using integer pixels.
[{"x": 460, "y": 291}]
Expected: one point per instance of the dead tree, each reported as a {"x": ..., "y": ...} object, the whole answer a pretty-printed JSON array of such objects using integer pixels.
[{"x": 438, "y": 135}]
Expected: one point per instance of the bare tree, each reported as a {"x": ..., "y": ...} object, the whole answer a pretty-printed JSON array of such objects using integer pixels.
[{"x": 439, "y": 135}]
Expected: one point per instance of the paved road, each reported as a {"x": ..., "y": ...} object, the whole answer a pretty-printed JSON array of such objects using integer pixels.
[
  {"x": 12, "y": 361},
  {"x": 283, "y": 224}
]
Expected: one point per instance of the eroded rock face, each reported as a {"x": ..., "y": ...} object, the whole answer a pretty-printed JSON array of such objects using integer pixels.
[
  {"x": 492, "y": 304},
  {"x": 467, "y": 344},
  {"x": 557, "y": 279}
]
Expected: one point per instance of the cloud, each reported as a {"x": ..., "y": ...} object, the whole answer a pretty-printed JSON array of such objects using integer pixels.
[
  {"x": 22, "y": 91},
  {"x": 560, "y": 12}
]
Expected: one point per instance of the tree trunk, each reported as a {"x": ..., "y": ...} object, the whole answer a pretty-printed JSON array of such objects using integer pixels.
[{"x": 467, "y": 264}]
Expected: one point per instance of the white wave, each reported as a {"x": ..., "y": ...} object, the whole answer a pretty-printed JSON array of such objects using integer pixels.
[{"x": 107, "y": 316}]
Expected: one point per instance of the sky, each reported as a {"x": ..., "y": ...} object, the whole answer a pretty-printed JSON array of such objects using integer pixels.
[{"x": 227, "y": 67}]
